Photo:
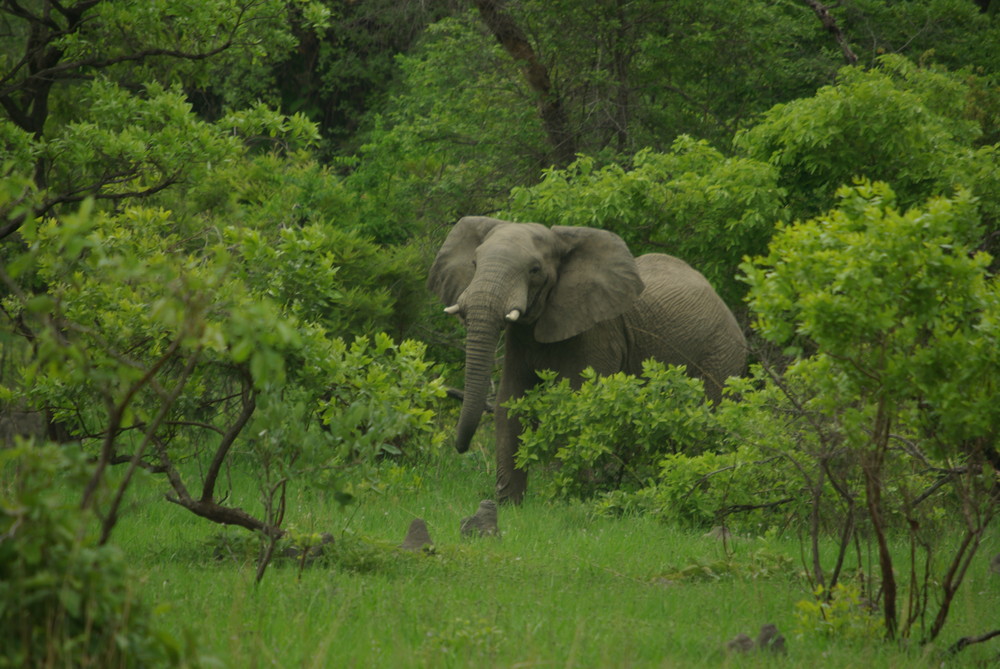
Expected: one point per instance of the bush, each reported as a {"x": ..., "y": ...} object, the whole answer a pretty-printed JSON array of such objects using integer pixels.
[
  {"x": 893, "y": 321},
  {"x": 912, "y": 127},
  {"x": 65, "y": 601},
  {"x": 153, "y": 347},
  {"x": 613, "y": 433}
]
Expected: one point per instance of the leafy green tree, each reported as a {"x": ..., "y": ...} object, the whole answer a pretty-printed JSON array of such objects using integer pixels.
[
  {"x": 344, "y": 62},
  {"x": 466, "y": 120},
  {"x": 443, "y": 148},
  {"x": 893, "y": 322},
  {"x": 150, "y": 354},
  {"x": 952, "y": 33},
  {"x": 91, "y": 91},
  {"x": 910, "y": 126}
]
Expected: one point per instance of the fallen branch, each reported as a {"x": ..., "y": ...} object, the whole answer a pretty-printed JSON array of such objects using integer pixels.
[{"x": 970, "y": 640}]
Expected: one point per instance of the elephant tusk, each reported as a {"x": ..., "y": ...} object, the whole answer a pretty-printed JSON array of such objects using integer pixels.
[
  {"x": 513, "y": 315},
  {"x": 453, "y": 309}
]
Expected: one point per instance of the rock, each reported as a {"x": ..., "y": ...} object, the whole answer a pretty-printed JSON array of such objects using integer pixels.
[
  {"x": 483, "y": 523},
  {"x": 995, "y": 564},
  {"x": 771, "y": 639},
  {"x": 741, "y": 643},
  {"x": 417, "y": 537},
  {"x": 719, "y": 532}
]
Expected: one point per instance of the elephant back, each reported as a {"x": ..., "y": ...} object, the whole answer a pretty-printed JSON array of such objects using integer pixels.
[{"x": 679, "y": 319}]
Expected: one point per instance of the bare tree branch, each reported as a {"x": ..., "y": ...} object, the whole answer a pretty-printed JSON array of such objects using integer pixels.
[
  {"x": 222, "y": 450},
  {"x": 111, "y": 518},
  {"x": 830, "y": 24},
  {"x": 966, "y": 641}
]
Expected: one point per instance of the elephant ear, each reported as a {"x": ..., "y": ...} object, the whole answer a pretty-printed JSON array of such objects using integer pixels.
[
  {"x": 598, "y": 279},
  {"x": 452, "y": 270}
]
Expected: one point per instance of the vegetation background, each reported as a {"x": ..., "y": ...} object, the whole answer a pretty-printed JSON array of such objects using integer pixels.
[{"x": 223, "y": 382}]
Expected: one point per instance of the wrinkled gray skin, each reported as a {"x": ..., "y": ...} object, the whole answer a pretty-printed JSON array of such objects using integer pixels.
[{"x": 567, "y": 298}]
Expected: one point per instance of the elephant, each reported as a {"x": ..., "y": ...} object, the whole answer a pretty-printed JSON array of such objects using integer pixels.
[{"x": 567, "y": 298}]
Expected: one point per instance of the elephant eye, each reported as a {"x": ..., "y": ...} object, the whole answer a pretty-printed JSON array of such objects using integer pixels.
[{"x": 535, "y": 269}]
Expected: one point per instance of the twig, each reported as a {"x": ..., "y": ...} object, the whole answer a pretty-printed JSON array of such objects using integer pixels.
[{"x": 112, "y": 516}]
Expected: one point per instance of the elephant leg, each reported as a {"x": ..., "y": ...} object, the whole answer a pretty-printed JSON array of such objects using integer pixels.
[
  {"x": 511, "y": 481},
  {"x": 516, "y": 378}
]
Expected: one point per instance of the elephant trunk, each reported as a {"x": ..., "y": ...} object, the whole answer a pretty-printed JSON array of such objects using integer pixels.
[
  {"x": 480, "y": 348},
  {"x": 489, "y": 302}
]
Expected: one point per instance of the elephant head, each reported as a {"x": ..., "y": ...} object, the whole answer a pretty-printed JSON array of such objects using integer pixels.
[{"x": 557, "y": 281}]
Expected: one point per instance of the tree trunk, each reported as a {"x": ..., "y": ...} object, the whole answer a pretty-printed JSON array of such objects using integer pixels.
[{"x": 515, "y": 43}]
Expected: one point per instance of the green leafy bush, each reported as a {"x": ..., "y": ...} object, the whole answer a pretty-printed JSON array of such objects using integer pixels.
[
  {"x": 899, "y": 123},
  {"x": 840, "y": 612},
  {"x": 742, "y": 489},
  {"x": 380, "y": 399},
  {"x": 614, "y": 431},
  {"x": 65, "y": 601},
  {"x": 327, "y": 275},
  {"x": 155, "y": 347}
]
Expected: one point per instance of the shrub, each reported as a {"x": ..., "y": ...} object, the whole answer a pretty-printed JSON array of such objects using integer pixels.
[
  {"x": 614, "y": 431},
  {"x": 893, "y": 322},
  {"x": 65, "y": 601}
]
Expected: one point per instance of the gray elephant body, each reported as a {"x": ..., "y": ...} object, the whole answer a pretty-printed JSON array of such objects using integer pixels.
[{"x": 570, "y": 298}]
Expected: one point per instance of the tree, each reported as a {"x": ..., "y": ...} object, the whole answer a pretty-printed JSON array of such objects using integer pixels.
[
  {"x": 170, "y": 285},
  {"x": 515, "y": 42},
  {"x": 104, "y": 56},
  {"x": 342, "y": 67},
  {"x": 910, "y": 126},
  {"x": 893, "y": 320}
]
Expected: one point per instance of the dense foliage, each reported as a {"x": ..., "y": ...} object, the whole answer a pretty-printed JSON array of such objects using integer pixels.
[
  {"x": 65, "y": 601},
  {"x": 216, "y": 219},
  {"x": 621, "y": 443},
  {"x": 892, "y": 322}
]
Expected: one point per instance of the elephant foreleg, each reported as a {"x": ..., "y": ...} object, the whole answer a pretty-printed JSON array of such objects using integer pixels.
[
  {"x": 511, "y": 481},
  {"x": 516, "y": 378}
]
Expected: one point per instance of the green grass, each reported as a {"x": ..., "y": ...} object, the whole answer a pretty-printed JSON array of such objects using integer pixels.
[{"x": 559, "y": 589}]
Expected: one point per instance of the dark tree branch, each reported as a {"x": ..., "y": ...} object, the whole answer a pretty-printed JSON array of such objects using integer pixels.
[
  {"x": 225, "y": 515},
  {"x": 830, "y": 24},
  {"x": 967, "y": 641},
  {"x": 211, "y": 510},
  {"x": 149, "y": 467},
  {"x": 167, "y": 403},
  {"x": 117, "y": 412},
  {"x": 81, "y": 194},
  {"x": 249, "y": 405},
  {"x": 55, "y": 71},
  {"x": 739, "y": 508}
]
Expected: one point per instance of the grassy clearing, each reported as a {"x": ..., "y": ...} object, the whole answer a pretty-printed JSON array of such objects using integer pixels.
[{"x": 559, "y": 589}]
